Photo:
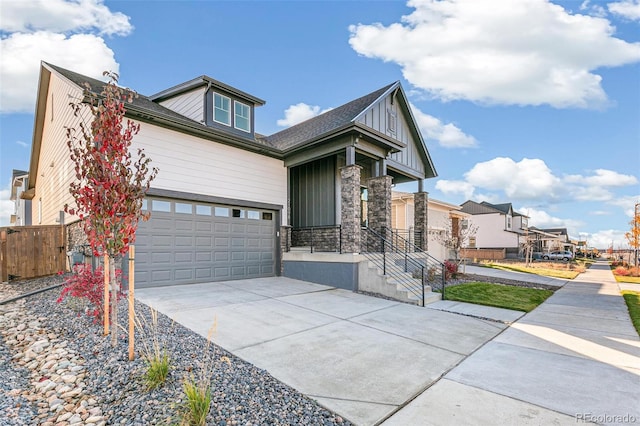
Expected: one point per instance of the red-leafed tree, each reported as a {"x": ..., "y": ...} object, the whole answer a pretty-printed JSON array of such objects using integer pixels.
[{"x": 110, "y": 183}]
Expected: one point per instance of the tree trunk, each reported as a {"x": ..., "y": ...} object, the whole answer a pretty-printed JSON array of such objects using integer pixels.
[{"x": 115, "y": 286}]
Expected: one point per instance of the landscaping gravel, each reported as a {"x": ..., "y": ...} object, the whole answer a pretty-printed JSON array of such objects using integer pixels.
[{"x": 57, "y": 368}]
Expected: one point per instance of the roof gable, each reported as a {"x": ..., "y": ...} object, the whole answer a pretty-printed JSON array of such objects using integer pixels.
[{"x": 324, "y": 124}]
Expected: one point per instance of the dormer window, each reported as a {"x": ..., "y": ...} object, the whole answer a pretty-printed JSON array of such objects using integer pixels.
[
  {"x": 221, "y": 109},
  {"x": 242, "y": 116}
]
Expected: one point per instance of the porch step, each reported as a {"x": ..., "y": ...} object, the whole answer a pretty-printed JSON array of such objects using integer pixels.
[
  {"x": 301, "y": 249},
  {"x": 397, "y": 288}
]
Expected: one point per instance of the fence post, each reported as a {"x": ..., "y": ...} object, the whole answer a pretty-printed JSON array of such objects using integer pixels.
[{"x": 444, "y": 280}]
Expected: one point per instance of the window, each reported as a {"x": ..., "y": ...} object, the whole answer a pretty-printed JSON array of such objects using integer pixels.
[
  {"x": 221, "y": 109},
  {"x": 144, "y": 205},
  {"x": 184, "y": 208},
  {"x": 203, "y": 210},
  {"x": 222, "y": 211},
  {"x": 160, "y": 206},
  {"x": 472, "y": 242},
  {"x": 252, "y": 214},
  {"x": 267, "y": 216},
  {"x": 238, "y": 213},
  {"x": 391, "y": 121},
  {"x": 508, "y": 222},
  {"x": 242, "y": 116}
]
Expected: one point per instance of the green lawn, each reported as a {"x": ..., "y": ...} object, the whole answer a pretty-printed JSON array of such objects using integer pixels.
[
  {"x": 501, "y": 296},
  {"x": 633, "y": 304},
  {"x": 547, "y": 272}
]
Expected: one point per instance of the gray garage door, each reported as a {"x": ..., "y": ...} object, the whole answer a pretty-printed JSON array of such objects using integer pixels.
[{"x": 188, "y": 242}]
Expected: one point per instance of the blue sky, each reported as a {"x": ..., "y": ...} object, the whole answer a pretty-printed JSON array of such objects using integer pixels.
[{"x": 533, "y": 102}]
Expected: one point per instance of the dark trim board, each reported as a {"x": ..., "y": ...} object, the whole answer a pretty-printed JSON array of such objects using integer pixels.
[{"x": 190, "y": 196}]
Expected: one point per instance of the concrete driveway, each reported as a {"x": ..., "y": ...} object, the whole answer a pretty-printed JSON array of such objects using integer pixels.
[{"x": 362, "y": 357}]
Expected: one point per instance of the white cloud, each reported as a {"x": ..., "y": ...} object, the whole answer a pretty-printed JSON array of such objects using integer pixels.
[
  {"x": 593, "y": 9},
  {"x": 531, "y": 180},
  {"x": 67, "y": 33},
  {"x": 6, "y": 206},
  {"x": 526, "y": 52},
  {"x": 629, "y": 9},
  {"x": 604, "y": 239},
  {"x": 542, "y": 219},
  {"x": 526, "y": 179},
  {"x": 447, "y": 135},
  {"x": 62, "y": 16},
  {"x": 300, "y": 112},
  {"x": 453, "y": 187},
  {"x": 23, "y": 144},
  {"x": 21, "y": 55}
]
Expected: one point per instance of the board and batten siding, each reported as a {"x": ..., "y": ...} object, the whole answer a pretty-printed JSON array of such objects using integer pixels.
[
  {"x": 189, "y": 164},
  {"x": 189, "y": 104},
  {"x": 377, "y": 117},
  {"x": 55, "y": 168}
]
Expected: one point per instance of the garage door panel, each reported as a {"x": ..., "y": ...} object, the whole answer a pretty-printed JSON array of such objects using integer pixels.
[
  {"x": 182, "y": 241},
  {"x": 184, "y": 225},
  {"x": 203, "y": 273},
  {"x": 161, "y": 241},
  {"x": 202, "y": 226},
  {"x": 204, "y": 241},
  {"x": 160, "y": 257},
  {"x": 196, "y": 242},
  {"x": 183, "y": 274},
  {"x": 203, "y": 256},
  {"x": 222, "y": 272},
  {"x": 183, "y": 257}
]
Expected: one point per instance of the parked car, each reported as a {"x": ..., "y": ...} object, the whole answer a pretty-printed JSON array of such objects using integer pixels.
[{"x": 558, "y": 255}]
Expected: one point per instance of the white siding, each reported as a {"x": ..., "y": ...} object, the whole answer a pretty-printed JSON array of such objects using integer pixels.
[
  {"x": 189, "y": 104},
  {"x": 185, "y": 163},
  {"x": 55, "y": 169},
  {"x": 190, "y": 164},
  {"x": 491, "y": 233}
]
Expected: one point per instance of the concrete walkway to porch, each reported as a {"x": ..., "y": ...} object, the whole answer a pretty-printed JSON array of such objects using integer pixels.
[{"x": 361, "y": 357}]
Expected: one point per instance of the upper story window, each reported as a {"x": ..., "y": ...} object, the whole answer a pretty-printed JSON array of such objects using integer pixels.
[
  {"x": 242, "y": 116},
  {"x": 508, "y": 222},
  {"x": 221, "y": 109}
]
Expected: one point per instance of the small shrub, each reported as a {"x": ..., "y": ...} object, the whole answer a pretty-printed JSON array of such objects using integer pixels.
[
  {"x": 198, "y": 389},
  {"x": 622, "y": 271},
  {"x": 88, "y": 284},
  {"x": 451, "y": 270},
  {"x": 197, "y": 404},
  {"x": 154, "y": 352}
]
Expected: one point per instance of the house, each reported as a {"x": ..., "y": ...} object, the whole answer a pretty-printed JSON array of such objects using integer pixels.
[
  {"x": 445, "y": 220},
  {"x": 22, "y": 208},
  {"x": 229, "y": 203},
  {"x": 498, "y": 227},
  {"x": 561, "y": 242}
]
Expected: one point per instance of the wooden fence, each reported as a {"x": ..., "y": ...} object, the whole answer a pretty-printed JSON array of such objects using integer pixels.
[
  {"x": 32, "y": 251},
  {"x": 483, "y": 254}
]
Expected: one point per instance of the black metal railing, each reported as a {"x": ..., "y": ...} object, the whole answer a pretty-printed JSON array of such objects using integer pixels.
[
  {"x": 403, "y": 239},
  {"x": 410, "y": 267},
  {"x": 318, "y": 238}
]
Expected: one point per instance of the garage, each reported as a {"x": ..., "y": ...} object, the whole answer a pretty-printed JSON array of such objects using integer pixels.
[{"x": 187, "y": 242}]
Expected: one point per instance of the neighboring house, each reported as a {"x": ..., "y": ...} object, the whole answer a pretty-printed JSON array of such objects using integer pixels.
[
  {"x": 443, "y": 219},
  {"x": 499, "y": 226},
  {"x": 227, "y": 202},
  {"x": 22, "y": 208},
  {"x": 560, "y": 242}
]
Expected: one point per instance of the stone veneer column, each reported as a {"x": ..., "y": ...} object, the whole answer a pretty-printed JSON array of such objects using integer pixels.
[
  {"x": 285, "y": 244},
  {"x": 350, "y": 214},
  {"x": 379, "y": 203},
  {"x": 420, "y": 219}
]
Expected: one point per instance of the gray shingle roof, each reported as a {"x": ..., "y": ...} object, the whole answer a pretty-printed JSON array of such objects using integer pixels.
[
  {"x": 324, "y": 124},
  {"x": 144, "y": 103}
]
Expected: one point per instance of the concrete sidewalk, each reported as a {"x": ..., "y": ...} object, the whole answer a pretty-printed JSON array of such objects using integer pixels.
[
  {"x": 513, "y": 275},
  {"x": 575, "y": 358}
]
